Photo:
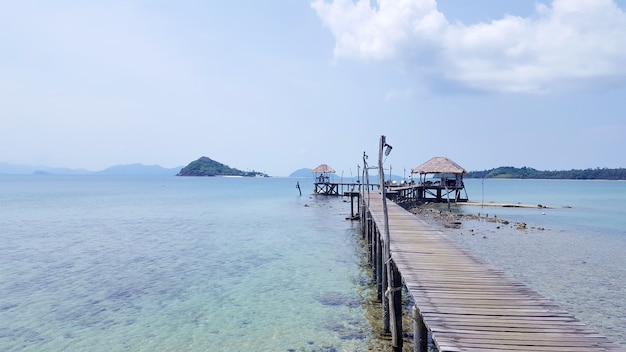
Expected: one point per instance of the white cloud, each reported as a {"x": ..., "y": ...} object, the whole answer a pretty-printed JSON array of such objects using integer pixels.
[
  {"x": 380, "y": 33},
  {"x": 570, "y": 42}
]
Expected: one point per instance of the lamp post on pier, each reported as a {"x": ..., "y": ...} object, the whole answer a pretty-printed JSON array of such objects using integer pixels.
[{"x": 391, "y": 298}]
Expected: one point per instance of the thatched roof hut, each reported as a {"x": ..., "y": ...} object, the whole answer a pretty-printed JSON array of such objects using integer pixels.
[
  {"x": 323, "y": 169},
  {"x": 439, "y": 165},
  {"x": 450, "y": 180}
]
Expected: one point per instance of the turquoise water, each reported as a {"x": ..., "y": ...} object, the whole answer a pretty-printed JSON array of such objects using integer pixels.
[
  {"x": 90, "y": 263},
  {"x": 106, "y": 263},
  {"x": 594, "y": 206},
  {"x": 573, "y": 252}
]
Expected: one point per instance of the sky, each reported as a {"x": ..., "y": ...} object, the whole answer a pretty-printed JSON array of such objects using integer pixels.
[{"x": 279, "y": 85}]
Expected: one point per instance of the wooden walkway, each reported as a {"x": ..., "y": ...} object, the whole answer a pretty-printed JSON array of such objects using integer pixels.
[{"x": 465, "y": 304}]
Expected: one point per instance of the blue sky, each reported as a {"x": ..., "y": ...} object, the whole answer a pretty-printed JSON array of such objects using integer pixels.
[{"x": 284, "y": 84}]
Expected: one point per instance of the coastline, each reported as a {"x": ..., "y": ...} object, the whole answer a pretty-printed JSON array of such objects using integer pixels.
[{"x": 510, "y": 205}]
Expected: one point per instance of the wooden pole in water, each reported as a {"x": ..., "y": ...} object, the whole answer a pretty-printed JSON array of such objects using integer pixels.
[
  {"x": 370, "y": 242},
  {"x": 384, "y": 287},
  {"x": 358, "y": 204},
  {"x": 351, "y": 206},
  {"x": 396, "y": 298},
  {"x": 379, "y": 265},
  {"x": 420, "y": 334}
]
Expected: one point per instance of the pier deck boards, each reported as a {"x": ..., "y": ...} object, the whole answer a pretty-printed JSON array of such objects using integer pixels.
[{"x": 466, "y": 304}]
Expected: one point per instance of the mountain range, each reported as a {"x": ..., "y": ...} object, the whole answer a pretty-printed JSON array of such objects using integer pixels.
[{"x": 129, "y": 169}]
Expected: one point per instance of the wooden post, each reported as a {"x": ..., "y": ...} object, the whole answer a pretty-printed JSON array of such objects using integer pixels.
[
  {"x": 388, "y": 308},
  {"x": 420, "y": 334},
  {"x": 396, "y": 298},
  {"x": 362, "y": 222},
  {"x": 351, "y": 206},
  {"x": 370, "y": 243},
  {"x": 379, "y": 265},
  {"x": 385, "y": 298}
]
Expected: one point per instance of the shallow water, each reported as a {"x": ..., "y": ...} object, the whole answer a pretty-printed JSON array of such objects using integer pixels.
[
  {"x": 167, "y": 263},
  {"x": 170, "y": 264},
  {"x": 574, "y": 256}
]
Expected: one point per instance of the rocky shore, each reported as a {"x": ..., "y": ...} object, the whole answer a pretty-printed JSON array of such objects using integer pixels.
[{"x": 441, "y": 217}]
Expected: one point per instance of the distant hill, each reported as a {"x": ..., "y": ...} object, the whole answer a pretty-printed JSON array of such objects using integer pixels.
[
  {"x": 207, "y": 167},
  {"x": 530, "y": 173},
  {"x": 138, "y": 169},
  {"x": 304, "y": 172},
  {"x": 6, "y": 168},
  {"x": 131, "y": 169}
]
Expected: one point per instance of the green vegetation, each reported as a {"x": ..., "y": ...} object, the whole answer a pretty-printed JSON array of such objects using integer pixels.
[
  {"x": 208, "y": 167},
  {"x": 528, "y": 172}
]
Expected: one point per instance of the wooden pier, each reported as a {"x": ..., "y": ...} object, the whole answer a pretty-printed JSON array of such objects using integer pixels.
[{"x": 461, "y": 303}]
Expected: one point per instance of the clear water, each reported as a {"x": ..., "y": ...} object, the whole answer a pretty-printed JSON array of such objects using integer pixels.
[
  {"x": 573, "y": 252},
  {"x": 91, "y": 263},
  {"x": 594, "y": 206}
]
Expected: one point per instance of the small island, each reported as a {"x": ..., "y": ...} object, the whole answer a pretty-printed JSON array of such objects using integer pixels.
[{"x": 207, "y": 167}]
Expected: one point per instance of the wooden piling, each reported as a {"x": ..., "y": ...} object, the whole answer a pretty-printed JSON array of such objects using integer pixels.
[
  {"x": 420, "y": 333},
  {"x": 385, "y": 300},
  {"x": 395, "y": 295},
  {"x": 378, "y": 271},
  {"x": 369, "y": 239}
]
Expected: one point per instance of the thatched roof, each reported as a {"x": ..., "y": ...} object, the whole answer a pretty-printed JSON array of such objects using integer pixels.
[
  {"x": 439, "y": 165},
  {"x": 323, "y": 169}
]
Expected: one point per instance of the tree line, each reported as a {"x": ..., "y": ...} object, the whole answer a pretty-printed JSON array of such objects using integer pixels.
[{"x": 528, "y": 172}]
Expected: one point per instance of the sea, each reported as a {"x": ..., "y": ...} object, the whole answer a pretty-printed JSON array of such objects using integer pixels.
[{"x": 165, "y": 263}]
